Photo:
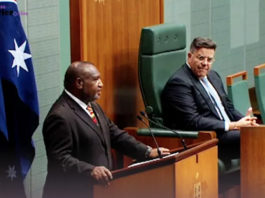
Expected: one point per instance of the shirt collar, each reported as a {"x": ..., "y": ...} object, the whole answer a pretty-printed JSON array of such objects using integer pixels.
[
  {"x": 78, "y": 101},
  {"x": 188, "y": 64}
]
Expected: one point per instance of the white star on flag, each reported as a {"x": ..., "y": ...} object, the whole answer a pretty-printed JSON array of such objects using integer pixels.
[
  {"x": 20, "y": 56},
  {"x": 11, "y": 172}
]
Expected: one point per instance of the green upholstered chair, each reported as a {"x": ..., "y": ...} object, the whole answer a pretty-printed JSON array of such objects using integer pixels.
[
  {"x": 239, "y": 95},
  {"x": 161, "y": 53},
  {"x": 259, "y": 88},
  {"x": 238, "y": 91}
]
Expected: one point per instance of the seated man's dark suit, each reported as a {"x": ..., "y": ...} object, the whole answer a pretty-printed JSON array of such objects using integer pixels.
[
  {"x": 187, "y": 106},
  {"x": 75, "y": 145}
]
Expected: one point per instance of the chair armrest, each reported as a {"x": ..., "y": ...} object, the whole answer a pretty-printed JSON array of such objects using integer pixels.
[
  {"x": 166, "y": 133},
  {"x": 257, "y": 112}
]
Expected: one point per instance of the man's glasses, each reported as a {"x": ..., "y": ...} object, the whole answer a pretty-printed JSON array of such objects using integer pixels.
[{"x": 202, "y": 58}]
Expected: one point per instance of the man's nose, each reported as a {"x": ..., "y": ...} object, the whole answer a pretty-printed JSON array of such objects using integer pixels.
[
  {"x": 100, "y": 83},
  {"x": 205, "y": 61}
]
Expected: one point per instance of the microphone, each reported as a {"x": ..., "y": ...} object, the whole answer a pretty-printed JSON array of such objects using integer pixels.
[
  {"x": 182, "y": 140},
  {"x": 158, "y": 151}
]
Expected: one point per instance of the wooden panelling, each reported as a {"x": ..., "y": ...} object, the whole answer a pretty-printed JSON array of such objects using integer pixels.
[
  {"x": 108, "y": 35},
  {"x": 75, "y": 30},
  {"x": 154, "y": 183},
  {"x": 252, "y": 161},
  {"x": 202, "y": 176}
]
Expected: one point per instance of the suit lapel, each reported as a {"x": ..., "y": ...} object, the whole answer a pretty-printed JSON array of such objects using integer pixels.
[
  {"x": 83, "y": 116},
  {"x": 200, "y": 88}
]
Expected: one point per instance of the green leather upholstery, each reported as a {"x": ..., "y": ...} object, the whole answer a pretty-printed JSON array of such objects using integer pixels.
[
  {"x": 165, "y": 133},
  {"x": 260, "y": 92},
  {"x": 238, "y": 94},
  {"x": 161, "y": 52}
]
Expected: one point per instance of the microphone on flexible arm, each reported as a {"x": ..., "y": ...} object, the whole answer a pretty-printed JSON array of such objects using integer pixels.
[
  {"x": 182, "y": 140},
  {"x": 158, "y": 151}
]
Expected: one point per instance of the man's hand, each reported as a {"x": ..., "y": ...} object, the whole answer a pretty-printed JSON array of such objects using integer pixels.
[
  {"x": 253, "y": 119},
  {"x": 102, "y": 175},
  {"x": 154, "y": 153},
  {"x": 245, "y": 121},
  {"x": 248, "y": 120}
]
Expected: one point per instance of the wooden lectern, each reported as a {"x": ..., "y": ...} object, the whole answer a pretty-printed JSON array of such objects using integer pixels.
[
  {"x": 189, "y": 174},
  {"x": 253, "y": 162}
]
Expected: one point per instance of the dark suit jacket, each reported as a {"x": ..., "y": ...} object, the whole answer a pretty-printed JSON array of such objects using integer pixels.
[
  {"x": 75, "y": 145},
  {"x": 187, "y": 106}
]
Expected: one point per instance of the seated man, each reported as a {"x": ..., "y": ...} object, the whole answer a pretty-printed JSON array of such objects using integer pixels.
[
  {"x": 78, "y": 137},
  {"x": 194, "y": 99}
]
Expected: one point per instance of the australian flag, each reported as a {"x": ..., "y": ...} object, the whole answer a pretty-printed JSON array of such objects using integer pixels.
[{"x": 19, "y": 109}]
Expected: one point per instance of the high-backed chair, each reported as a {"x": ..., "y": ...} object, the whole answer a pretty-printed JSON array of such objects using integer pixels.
[
  {"x": 259, "y": 87},
  {"x": 161, "y": 53}
]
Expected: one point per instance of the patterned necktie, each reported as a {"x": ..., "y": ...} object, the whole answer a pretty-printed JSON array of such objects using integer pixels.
[
  {"x": 215, "y": 99},
  {"x": 93, "y": 117}
]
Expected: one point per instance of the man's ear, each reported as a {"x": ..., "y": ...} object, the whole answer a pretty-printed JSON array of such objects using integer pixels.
[
  {"x": 79, "y": 83},
  {"x": 189, "y": 55}
]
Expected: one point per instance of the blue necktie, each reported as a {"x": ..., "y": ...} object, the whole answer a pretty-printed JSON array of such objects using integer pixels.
[{"x": 215, "y": 99}]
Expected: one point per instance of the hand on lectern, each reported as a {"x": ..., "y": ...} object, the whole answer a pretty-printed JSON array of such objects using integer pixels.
[
  {"x": 154, "y": 153},
  {"x": 102, "y": 175}
]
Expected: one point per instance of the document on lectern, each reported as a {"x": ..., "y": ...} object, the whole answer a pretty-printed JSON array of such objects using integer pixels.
[{"x": 153, "y": 160}]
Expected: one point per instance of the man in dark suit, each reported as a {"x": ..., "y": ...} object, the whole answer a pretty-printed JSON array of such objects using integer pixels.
[
  {"x": 78, "y": 137},
  {"x": 194, "y": 99}
]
